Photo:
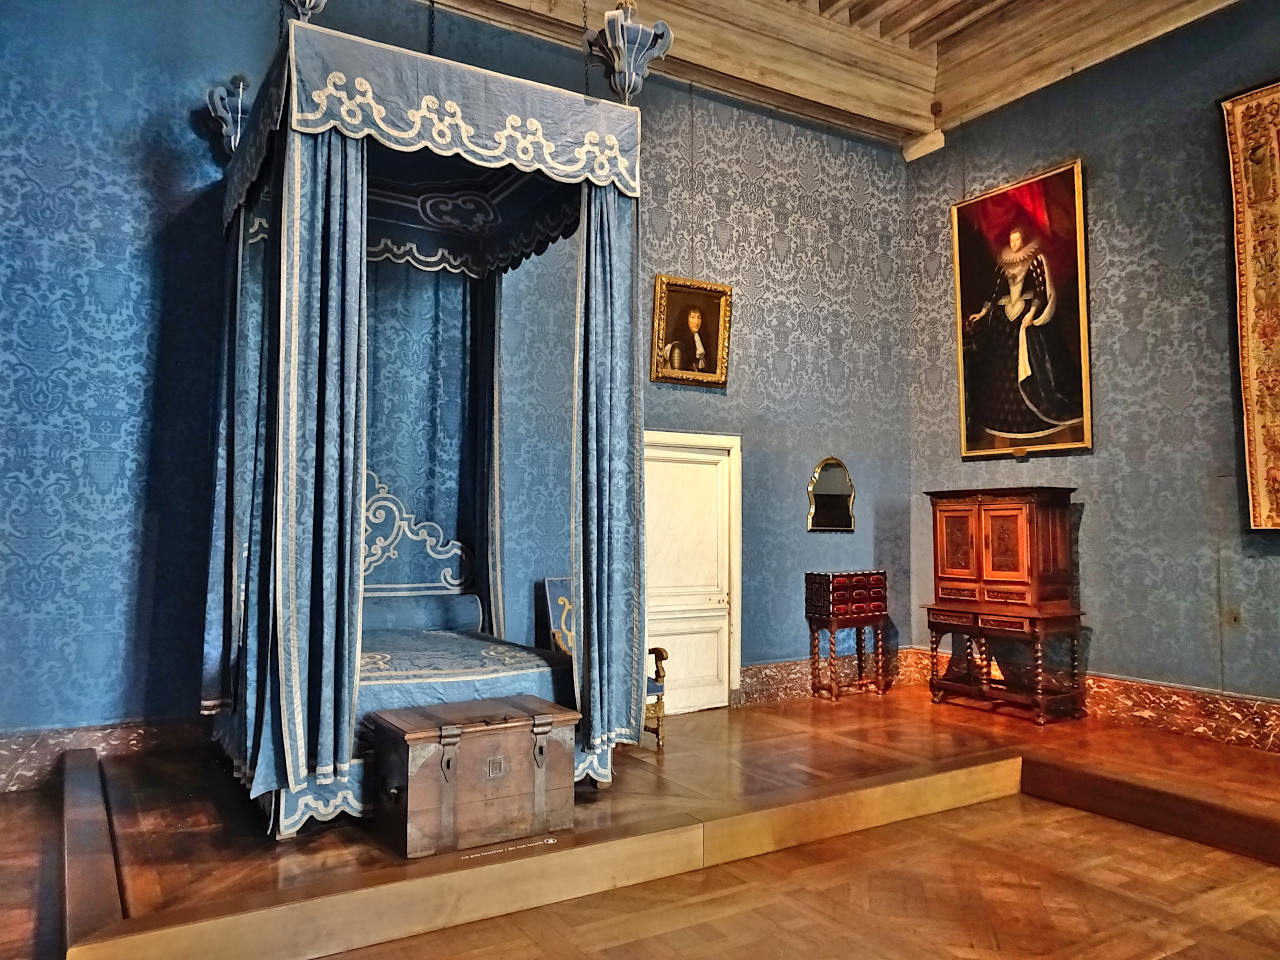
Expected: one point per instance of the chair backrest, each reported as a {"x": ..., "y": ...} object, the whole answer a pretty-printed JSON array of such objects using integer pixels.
[{"x": 557, "y": 608}]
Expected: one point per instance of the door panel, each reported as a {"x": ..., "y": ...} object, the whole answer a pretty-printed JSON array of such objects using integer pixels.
[
  {"x": 956, "y": 542},
  {"x": 686, "y": 541},
  {"x": 1004, "y": 543},
  {"x": 698, "y": 664},
  {"x": 688, "y": 526}
]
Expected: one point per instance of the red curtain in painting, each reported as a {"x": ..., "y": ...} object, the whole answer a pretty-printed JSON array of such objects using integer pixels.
[{"x": 1046, "y": 206}]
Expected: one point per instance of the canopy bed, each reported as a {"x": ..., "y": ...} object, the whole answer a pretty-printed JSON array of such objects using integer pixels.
[{"x": 373, "y": 202}]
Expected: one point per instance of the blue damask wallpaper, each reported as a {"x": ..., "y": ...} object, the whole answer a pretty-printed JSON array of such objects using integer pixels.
[
  {"x": 842, "y": 343},
  {"x": 539, "y": 299},
  {"x": 806, "y": 227},
  {"x": 1172, "y": 588}
]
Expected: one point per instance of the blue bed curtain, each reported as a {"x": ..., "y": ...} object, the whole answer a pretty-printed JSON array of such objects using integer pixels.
[
  {"x": 286, "y": 636},
  {"x": 608, "y": 540},
  {"x": 433, "y": 408},
  {"x": 234, "y": 658},
  {"x": 479, "y": 507}
]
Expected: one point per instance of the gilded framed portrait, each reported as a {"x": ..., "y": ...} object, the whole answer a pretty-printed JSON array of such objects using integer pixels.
[
  {"x": 690, "y": 331},
  {"x": 1022, "y": 326}
]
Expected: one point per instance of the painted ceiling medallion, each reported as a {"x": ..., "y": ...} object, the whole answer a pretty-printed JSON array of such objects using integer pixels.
[{"x": 626, "y": 47}]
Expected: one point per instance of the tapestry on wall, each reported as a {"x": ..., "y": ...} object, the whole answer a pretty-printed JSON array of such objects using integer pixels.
[
  {"x": 1021, "y": 317},
  {"x": 1253, "y": 125}
]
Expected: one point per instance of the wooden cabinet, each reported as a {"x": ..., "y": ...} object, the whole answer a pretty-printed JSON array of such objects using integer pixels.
[
  {"x": 1003, "y": 546},
  {"x": 1002, "y": 562}
]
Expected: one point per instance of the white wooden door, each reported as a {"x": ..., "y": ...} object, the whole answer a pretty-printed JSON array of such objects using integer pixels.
[{"x": 692, "y": 502}]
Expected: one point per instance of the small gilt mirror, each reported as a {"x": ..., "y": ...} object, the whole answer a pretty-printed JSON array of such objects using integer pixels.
[{"x": 831, "y": 498}]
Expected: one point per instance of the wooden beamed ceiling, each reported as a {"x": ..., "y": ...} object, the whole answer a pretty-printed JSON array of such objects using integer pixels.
[{"x": 902, "y": 71}]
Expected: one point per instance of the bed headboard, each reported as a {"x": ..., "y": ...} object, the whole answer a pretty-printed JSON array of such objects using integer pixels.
[{"x": 404, "y": 556}]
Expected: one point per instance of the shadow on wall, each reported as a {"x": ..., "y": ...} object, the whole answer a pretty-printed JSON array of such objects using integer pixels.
[
  {"x": 173, "y": 568},
  {"x": 892, "y": 548}
]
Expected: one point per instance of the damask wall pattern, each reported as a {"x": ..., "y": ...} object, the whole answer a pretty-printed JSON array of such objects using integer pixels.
[
  {"x": 539, "y": 299},
  {"x": 1173, "y": 587},
  {"x": 842, "y": 343},
  {"x": 110, "y": 284},
  {"x": 806, "y": 226}
]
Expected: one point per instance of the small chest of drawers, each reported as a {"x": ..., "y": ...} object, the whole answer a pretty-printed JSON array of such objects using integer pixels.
[
  {"x": 839, "y": 601},
  {"x": 861, "y": 593}
]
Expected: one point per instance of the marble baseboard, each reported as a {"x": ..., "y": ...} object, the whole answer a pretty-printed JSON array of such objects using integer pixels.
[
  {"x": 913, "y": 666},
  {"x": 790, "y": 680},
  {"x": 772, "y": 682},
  {"x": 28, "y": 760},
  {"x": 1241, "y": 721}
]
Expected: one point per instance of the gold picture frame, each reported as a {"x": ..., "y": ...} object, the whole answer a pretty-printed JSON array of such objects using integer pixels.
[
  {"x": 685, "y": 349},
  {"x": 1253, "y": 149},
  {"x": 1022, "y": 339}
]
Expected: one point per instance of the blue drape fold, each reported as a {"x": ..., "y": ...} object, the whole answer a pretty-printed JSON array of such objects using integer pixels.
[
  {"x": 320, "y": 465},
  {"x": 283, "y": 621},
  {"x": 608, "y": 546},
  {"x": 479, "y": 507}
]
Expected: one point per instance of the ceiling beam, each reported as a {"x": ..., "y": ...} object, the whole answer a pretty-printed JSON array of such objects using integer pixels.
[
  {"x": 867, "y": 12},
  {"x": 777, "y": 55},
  {"x": 832, "y": 9},
  {"x": 955, "y": 19},
  {"x": 899, "y": 71},
  {"x": 1024, "y": 47},
  {"x": 902, "y": 22}
]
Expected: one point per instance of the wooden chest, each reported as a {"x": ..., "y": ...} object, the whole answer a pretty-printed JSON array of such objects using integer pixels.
[
  {"x": 457, "y": 775},
  {"x": 860, "y": 593}
]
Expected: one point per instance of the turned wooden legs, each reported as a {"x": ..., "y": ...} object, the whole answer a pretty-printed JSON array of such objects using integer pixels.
[
  {"x": 1077, "y": 680},
  {"x": 862, "y": 670},
  {"x": 1037, "y": 659},
  {"x": 833, "y": 663},
  {"x": 815, "y": 660},
  {"x": 832, "y": 686},
  {"x": 935, "y": 638},
  {"x": 879, "y": 658}
]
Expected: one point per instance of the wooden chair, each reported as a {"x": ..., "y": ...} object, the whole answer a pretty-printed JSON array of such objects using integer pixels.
[
  {"x": 558, "y": 606},
  {"x": 655, "y": 711}
]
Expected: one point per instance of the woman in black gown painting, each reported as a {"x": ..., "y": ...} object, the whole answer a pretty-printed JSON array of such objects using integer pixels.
[{"x": 1021, "y": 384}]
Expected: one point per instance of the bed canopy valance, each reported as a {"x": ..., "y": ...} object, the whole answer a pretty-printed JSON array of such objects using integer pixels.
[{"x": 372, "y": 203}]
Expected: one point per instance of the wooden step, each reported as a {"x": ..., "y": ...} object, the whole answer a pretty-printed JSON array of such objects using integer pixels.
[
  {"x": 1238, "y": 824},
  {"x": 389, "y": 903}
]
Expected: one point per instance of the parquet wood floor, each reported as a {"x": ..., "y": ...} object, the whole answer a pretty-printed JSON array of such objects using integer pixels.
[
  {"x": 30, "y": 875},
  {"x": 186, "y": 834},
  {"x": 1013, "y": 878}
]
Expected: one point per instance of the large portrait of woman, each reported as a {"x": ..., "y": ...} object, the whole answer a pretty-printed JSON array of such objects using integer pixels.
[{"x": 1021, "y": 317}]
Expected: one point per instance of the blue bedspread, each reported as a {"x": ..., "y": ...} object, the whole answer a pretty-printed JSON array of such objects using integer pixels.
[{"x": 407, "y": 668}]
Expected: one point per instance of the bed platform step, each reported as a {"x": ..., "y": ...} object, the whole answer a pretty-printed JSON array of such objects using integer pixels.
[{"x": 449, "y": 889}]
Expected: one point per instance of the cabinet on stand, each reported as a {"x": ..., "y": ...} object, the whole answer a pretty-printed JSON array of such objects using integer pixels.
[
  {"x": 1003, "y": 571},
  {"x": 839, "y": 601}
]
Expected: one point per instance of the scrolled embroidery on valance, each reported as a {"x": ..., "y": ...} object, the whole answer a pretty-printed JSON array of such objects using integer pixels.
[{"x": 411, "y": 101}]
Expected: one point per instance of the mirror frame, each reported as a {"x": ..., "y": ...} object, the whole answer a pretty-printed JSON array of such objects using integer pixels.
[{"x": 853, "y": 493}]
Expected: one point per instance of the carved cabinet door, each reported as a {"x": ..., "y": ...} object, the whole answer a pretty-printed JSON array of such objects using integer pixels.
[
  {"x": 1005, "y": 548},
  {"x": 955, "y": 541}
]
